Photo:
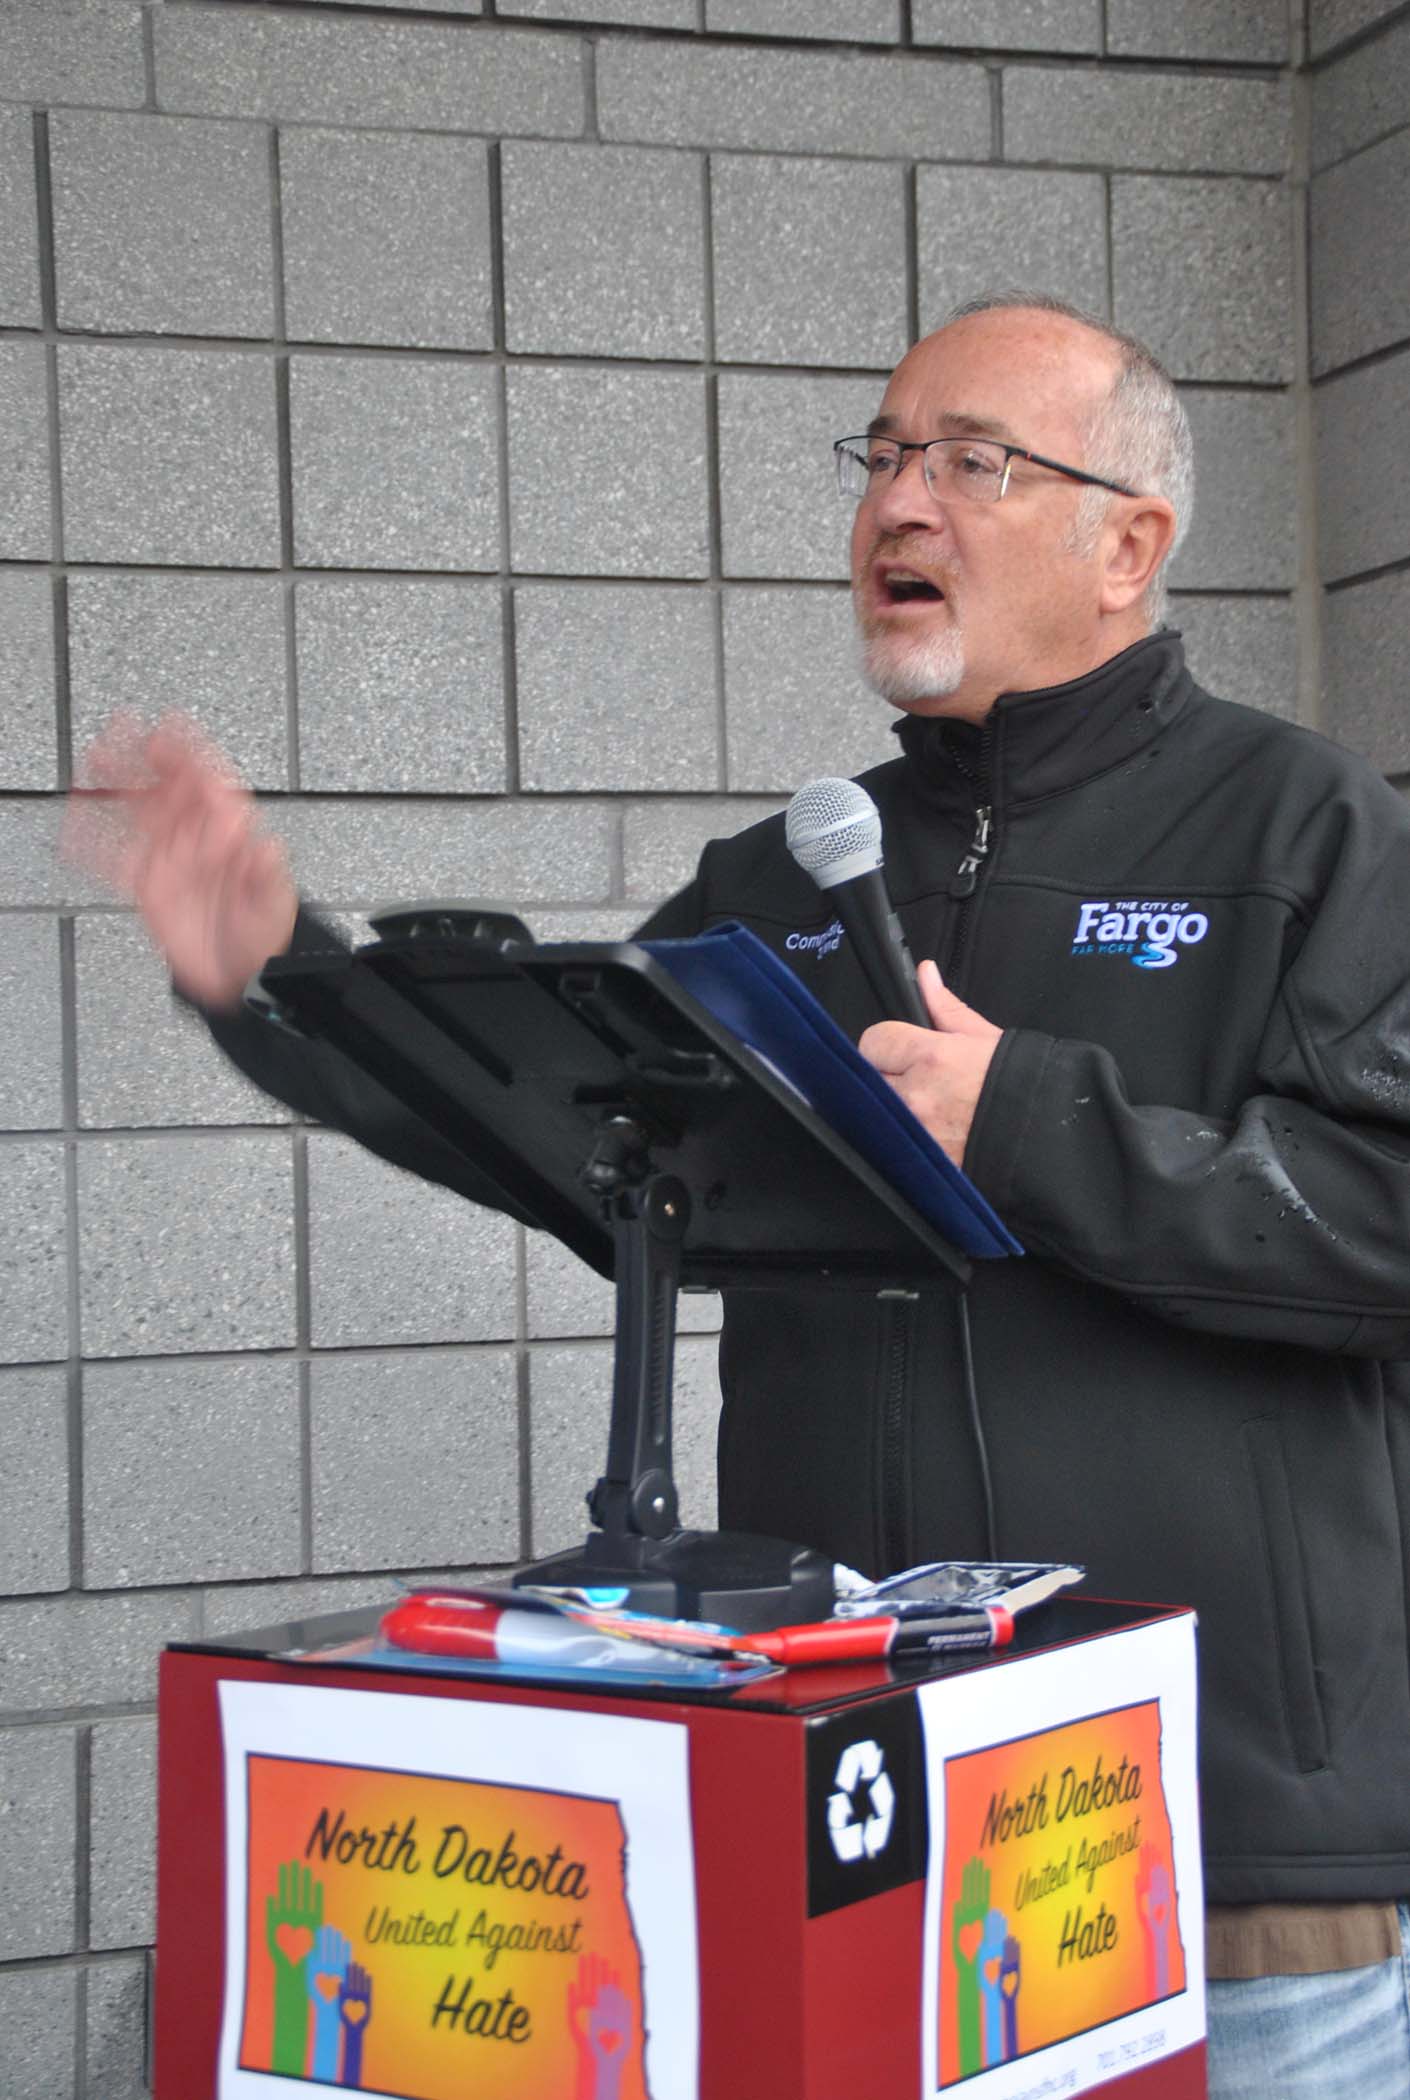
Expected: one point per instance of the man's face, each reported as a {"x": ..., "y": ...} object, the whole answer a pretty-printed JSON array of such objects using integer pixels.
[{"x": 1004, "y": 602}]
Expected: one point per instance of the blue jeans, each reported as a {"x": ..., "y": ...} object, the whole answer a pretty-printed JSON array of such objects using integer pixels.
[{"x": 1340, "y": 2036}]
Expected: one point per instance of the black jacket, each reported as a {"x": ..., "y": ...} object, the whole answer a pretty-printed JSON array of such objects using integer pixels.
[{"x": 1193, "y": 923}]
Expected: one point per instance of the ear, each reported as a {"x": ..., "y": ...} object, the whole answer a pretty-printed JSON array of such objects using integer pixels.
[{"x": 1135, "y": 541}]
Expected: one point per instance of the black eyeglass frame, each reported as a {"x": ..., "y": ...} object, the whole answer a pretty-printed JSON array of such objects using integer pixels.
[{"x": 1010, "y": 452}]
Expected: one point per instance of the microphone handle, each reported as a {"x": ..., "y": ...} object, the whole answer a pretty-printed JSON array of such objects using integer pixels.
[{"x": 880, "y": 946}]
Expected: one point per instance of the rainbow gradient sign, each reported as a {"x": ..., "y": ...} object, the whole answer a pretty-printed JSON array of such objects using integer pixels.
[
  {"x": 450, "y": 1897},
  {"x": 1064, "y": 1928}
]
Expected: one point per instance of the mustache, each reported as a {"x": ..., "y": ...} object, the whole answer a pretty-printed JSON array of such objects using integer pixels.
[{"x": 911, "y": 551}]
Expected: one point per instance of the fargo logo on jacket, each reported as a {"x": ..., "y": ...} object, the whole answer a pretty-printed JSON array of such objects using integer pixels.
[{"x": 1150, "y": 935}]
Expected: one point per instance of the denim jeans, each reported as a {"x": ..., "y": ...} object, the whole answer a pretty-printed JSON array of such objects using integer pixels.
[{"x": 1340, "y": 2036}]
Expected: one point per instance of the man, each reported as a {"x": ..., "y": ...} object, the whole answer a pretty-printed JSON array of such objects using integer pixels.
[{"x": 1171, "y": 1045}]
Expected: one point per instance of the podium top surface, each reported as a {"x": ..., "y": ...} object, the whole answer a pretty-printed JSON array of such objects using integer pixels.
[{"x": 799, "y": 1694}]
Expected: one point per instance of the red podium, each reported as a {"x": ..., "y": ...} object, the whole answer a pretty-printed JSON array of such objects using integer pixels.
[{"x": 830, "y": 1884}]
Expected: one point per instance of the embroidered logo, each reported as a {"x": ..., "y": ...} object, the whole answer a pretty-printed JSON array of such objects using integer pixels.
[
  {"x": 1150, "y": 935},
  {"x": 816, "y": 944}
]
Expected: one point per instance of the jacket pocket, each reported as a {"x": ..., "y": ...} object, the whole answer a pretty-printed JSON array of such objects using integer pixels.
[{"x": 1287, "y": 1576}]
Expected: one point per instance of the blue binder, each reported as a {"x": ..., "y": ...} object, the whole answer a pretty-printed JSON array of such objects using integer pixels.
[{"x": 731, "y": 972}]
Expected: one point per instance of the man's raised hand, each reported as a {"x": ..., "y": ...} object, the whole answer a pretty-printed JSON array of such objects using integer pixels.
[
  {"x": 939, "y": 1071},
  {"x": 159, "y": 815}
]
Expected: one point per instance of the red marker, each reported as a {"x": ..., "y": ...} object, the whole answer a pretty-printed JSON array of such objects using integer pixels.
[
  {"x": 855, "y": 1640},
  {"x": 459, "y": 1623}
]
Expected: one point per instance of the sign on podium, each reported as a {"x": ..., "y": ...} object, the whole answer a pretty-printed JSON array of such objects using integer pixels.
[{"x": 891, "y": 1881}]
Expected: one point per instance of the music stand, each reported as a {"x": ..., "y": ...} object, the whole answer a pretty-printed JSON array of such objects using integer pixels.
[{"x": 604, "y": 1103}]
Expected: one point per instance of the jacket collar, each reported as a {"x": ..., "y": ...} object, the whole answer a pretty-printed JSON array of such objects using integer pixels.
[{"x": 1037, "y": 744}]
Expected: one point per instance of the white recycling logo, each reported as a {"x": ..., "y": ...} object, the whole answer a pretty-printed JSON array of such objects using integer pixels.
[{"x": 857, "y": 1835}]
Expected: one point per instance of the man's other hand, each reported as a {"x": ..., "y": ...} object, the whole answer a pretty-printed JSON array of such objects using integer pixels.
[
  {"x": 937, "y": 1071},
  {"x": 159, "y": 815}
]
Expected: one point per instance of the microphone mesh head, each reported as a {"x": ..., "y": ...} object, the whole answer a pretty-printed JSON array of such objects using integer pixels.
[{"x": 833, "y": 829}]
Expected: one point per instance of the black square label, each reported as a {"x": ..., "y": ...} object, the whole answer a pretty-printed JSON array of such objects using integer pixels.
[{"x": 868, "y": 1822}]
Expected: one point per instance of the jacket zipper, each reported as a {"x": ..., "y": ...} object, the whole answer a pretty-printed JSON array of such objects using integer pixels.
[
  {"x": 900, "y": 1305},
  {"x": 965, "y": 880},
  {"x": 966, "y": 875},
  {"x": 895, "y": 1531},
  {"x": 963, "y": 884}
]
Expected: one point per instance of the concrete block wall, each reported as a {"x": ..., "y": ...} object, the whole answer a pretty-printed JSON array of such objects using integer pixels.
[
  {"x": 1359, "y": 208},
  {"x": 434, "y": 398}
]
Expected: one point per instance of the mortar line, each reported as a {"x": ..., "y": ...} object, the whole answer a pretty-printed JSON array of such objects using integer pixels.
[
  {"x": 73, "y": 1282},
  {"x": 693, "y": 38},
  {"x": 284, "y": 466},
  {"x": 65, "y": 924},
  {"x": 149, "y": 2018},
  {"x": 48, "y": 308},
  {"x": 910, "y": 210},
  {"x": 714, "y": 521},
  {"x": 1109, "y": 240},
  {"x": 508, "y": 615},
  {"x": 303, "y": 1320},
  {"x": 1356, "y": 41},
  {"x": 83, "y": 1837},
  {"x": 1383, "y": 354},
  {"x": 149, "y": 57},
  {"x": 80, "y": 2033},
  {"x": 1307, "y": 600},
  {"x": 1336, "y": 584},
  {"x": 591, "y": 126}
]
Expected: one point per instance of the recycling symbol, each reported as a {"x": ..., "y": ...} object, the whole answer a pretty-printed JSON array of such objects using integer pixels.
[{"x": 862, "y": 1805}]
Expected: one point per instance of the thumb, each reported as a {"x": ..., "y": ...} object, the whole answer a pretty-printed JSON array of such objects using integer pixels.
[{"x": 947, "y": 1012}]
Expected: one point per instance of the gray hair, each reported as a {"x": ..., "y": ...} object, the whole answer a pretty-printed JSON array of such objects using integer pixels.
[{"x": 1139, "y": 435}]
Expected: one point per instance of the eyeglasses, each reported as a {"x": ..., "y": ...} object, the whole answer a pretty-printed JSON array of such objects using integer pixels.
[{"x": 973, "y": 469}]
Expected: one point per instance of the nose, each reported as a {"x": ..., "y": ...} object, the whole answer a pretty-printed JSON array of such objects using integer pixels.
[{"x": 906, "y": 504}]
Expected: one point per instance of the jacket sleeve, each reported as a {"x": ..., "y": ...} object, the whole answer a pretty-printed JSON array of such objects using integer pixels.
[
  {"x": 1288, "y": 1222},
  {"x": 316, "y": 1080}
]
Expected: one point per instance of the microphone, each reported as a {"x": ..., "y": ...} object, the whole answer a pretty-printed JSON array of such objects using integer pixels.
[{"x": 833, "y": 829}]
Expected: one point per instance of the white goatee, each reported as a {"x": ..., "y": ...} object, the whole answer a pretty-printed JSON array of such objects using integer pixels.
[{"x": 905, "y": 670}]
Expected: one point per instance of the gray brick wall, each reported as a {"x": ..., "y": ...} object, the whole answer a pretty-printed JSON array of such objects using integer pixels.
[
  {"x": 433, "y": 398},
  {"x": 1359, "y": 343}
]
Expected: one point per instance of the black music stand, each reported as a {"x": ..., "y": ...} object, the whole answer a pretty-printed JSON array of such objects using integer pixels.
[{"x": 604, "y": 1103}]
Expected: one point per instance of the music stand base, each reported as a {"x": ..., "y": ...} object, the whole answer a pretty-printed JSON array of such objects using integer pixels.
[{"x": 733, "y": 1578}]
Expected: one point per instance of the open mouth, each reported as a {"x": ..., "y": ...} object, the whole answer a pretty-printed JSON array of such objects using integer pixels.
[{"x": 904, "y": 587}]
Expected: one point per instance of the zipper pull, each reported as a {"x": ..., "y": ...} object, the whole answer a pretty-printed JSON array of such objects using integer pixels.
[{"x": 966, "y": 874}]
